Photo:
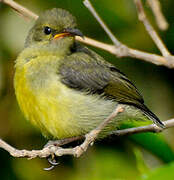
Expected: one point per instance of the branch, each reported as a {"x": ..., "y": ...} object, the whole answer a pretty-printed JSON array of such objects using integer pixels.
[
  {"x": 149, "y": 128},
  {"x": 121, "y": 51},
  {"x": 160, "y": 19},
  {"x": 125, "y": 51},
  {"x": 150, "y": 29},
  {"x": 20, "y": 9},
  {"x": 103, "y": 25},
  {"x": 50, "y": 150}
]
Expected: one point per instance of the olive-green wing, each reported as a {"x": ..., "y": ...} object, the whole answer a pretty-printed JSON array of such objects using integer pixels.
[
  {"x": 84, "y": 70},
  {"x": 87, "y": 71}
]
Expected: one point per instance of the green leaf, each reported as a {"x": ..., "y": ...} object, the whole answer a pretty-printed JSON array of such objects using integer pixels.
[
  {"x": 164, "y": 172},
  {"x": 140, "y": 163},
  {"x": 153, "y": 142}
]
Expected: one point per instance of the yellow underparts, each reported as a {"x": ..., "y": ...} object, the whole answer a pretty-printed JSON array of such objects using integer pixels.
[{"x": 47, "y": 110}]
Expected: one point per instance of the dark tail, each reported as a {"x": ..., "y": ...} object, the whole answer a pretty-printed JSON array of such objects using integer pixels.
[
  {"x": 152, "y": 116},
  {"x": 147, "y": 113}
]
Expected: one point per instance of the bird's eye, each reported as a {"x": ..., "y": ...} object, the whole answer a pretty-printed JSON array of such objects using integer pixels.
[{"x": 47, "y": 30}]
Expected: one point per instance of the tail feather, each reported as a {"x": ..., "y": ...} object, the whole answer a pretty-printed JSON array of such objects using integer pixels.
[
  {"x": 148, "y": 113},
  {"x": 152, "y": 116}
]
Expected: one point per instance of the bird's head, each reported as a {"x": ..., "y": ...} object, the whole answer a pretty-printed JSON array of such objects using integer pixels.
[{"x": 53, "y": 24}]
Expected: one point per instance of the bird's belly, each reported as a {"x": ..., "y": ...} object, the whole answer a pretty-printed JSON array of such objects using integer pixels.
[
  {"x": 58, "y": 111},
  {"x": 45, "y": 109}
]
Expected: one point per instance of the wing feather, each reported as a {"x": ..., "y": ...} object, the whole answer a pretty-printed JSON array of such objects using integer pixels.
[
  {"x": 84, "y": 70},
  {"x": 87, "y": 71}
]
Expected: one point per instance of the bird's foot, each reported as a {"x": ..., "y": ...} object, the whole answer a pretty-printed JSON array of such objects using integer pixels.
[
  {"x": 53, "y": 161},
  {"x": 57, "y": 143}
]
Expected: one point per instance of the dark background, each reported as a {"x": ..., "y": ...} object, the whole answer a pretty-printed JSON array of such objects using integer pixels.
[{"x": 114, "y": 158}]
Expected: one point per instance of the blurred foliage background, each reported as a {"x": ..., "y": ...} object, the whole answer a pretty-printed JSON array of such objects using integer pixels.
[{"x": 113, "y": 158}]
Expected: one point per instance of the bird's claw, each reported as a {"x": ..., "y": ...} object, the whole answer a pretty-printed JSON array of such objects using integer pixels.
[{"x": 53, "y": 161}]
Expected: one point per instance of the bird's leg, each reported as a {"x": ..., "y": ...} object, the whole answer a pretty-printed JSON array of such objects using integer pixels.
[{"x": 92, "y": 135}]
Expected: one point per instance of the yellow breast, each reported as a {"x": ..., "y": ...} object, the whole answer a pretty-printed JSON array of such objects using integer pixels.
[{"x": 47, "y": 109}]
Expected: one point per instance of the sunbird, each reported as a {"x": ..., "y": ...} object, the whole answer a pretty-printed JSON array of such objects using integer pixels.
[{"x": 65, "y": 89}]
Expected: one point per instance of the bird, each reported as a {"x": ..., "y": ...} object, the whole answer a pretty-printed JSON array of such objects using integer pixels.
[{"x": 66, "y": 89}]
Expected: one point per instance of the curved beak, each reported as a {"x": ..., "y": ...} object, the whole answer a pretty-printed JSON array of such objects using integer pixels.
[
  {"x": 74, "y": 32},
  {"x": 69, "y": 32}
]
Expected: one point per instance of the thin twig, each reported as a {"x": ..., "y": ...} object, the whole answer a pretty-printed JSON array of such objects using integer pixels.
[
  {"x": 150, "y": 29},
  {"x": 24, "y": 153},
  {"x": 20, "y": 9},
  {"x": 103, "y": 25},
  {"x": 160, "y": 19},
  {"x": 125, "y": 51},
  {"x": 149, "y": 128},
  {"x": 49, "y": 150},
  {"x": 122, "y": 51}
]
